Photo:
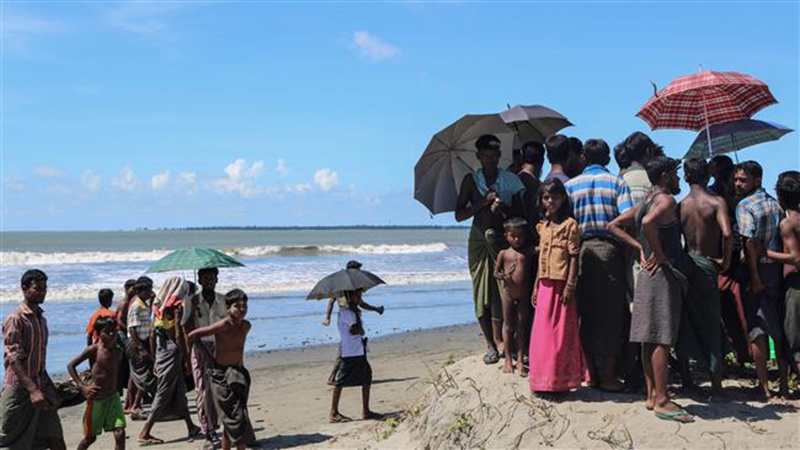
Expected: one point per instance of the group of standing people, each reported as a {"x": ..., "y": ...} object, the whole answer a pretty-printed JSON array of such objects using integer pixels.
[
  {"x": 619, "y": 274},
  {"x": 154, "y": 344}
]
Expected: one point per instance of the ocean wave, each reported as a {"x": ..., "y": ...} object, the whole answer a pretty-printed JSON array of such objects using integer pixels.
[
  {"x": 89, "y": 291},
  {"x": 12, "y": 258}
]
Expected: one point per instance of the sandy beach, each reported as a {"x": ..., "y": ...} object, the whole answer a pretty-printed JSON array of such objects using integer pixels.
[{"x": 442, "y": 395}]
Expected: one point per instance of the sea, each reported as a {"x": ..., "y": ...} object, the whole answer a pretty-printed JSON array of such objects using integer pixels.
[{"x": 425, "y": 269}]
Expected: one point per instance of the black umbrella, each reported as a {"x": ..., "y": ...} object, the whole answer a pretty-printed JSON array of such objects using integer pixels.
[{"x": 337, "y": 283}]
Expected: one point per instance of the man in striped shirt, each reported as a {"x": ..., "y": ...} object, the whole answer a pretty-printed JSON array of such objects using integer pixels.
[
  {"x": 28, "y": 402},
  {"x": 598, "y": 196}
]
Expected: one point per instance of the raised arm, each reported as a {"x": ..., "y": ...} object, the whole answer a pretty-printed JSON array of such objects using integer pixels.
[
  {"x": 623, "y": 222},
  {"x": 367, "y": 307},
  {"x": 209, "y": 330},
  {"x": 650, "y": 223},
  {"x": 89, "y": 391}
]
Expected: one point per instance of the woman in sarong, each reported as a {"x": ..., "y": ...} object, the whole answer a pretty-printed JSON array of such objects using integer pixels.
[{"x": 170, "y": 398}]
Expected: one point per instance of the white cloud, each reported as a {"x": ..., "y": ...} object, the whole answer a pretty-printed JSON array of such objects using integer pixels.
[
  {"x": 240, "y": 178},
  {"x": 13, "y": 184},
  {"x": 187, "y": 177},
  {"x": 90, "y": 181},
  {"x": 299, "y": 188},
  {"x": 146, "y": 19},
  {"x": 281, "y": 167},
  {"x": 160, "y": 180},
  {"x": 326, "y": 179},
  {"x": 126, "y": 181},
  {"x": 19, "y": 31},
  {"x": 373, "y": 48},
  {"x": 49, "y": 172}
]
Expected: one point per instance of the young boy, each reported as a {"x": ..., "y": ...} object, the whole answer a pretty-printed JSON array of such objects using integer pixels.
[
  {"x": 513, "y": 268},
  {"x": 352, "y": 368},
  {"x": 230, "y": 381},
  {"x": 105, "y": 297},
  {"x": 103, "y": 402}
]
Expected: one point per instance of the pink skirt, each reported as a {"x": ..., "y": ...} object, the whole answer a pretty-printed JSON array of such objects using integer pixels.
[{"x": 555, "y": 353}]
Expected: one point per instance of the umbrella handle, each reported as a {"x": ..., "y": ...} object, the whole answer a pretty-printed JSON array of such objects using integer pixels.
[{"x": 708, "y": 129}]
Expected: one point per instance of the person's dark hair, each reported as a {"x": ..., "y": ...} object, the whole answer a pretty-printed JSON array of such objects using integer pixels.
[
  {"x": 234, "y": 296},
  {"x": 596, "y": 151},
  {"x": 639, "y": 147},
  {"x": 558, "y": 147},
  {"x": 723, "y": 166},
  {"x": 621, "y": 156},
  {"x": 751, "y": 168},
  {"x": 142, "y": 283},
  {"x": 192, "y": 287},
  {"x": 129, "y": 284},
  {"x": 104, "y": 323},
  {"x": 533, "y": 153},
  {"x": 696, "y": 170},
  {"x": 353, "y": 264},
  {"x": 30, "y": 276},
  {"x": 658, "y": 166},
  {"x": 105, "y": 297},
  {"x": 788, "y": 189},
  {"x": 515, "y": 222},
  {"x": 487, "y": 142},
  {"x": 212, "y": 270},
  {"x": 554, "y": 186},
  {"x": 575, "y": 145}
]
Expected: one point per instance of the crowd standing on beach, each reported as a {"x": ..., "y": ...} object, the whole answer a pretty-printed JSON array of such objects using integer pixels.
[{"x": 626, "y": 282}]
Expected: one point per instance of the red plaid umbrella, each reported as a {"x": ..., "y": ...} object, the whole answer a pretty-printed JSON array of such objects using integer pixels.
[{"x": 696, "y": 101}]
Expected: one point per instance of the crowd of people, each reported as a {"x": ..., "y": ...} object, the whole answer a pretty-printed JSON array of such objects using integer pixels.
[
  {"x": 622, "y": 281},
  {"x": 158, "y": 346}
]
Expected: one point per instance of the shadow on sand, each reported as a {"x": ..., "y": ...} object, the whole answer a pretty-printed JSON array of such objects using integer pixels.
[
  {"x": 393, "y": 380},
  {"x": 291, "y": 441}
]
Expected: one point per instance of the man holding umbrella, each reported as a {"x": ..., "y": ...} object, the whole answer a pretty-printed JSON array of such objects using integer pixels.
[{"x": 485, "y": 196}]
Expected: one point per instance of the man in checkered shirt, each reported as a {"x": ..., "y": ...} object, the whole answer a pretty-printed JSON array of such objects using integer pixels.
[{"x": 758, "y": 216}]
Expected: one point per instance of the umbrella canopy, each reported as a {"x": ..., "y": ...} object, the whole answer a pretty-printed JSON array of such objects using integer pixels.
[
  {"x": 732, "y": 136},
  {"x": 337, "y": 283},
  {"x": 451, "y": 155},
  {"x": 694, "y": 102},
  {"x": 193, "y": 259},
  {"x": 534, "y": 122}
]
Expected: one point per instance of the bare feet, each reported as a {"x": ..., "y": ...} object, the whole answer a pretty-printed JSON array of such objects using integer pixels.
[
  {"x": 507, "y": 367},
  {"x": 521, "y": 370},
  {"x": 338, "y": 418}
]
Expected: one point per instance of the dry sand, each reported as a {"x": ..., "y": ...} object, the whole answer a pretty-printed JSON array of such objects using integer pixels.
[{"x": 442, "y": 396}]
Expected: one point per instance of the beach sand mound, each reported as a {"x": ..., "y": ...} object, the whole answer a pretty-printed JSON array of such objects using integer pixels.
[{"x": 471, "y": 405}]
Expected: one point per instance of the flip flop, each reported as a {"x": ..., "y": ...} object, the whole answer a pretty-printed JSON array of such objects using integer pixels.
[
  {"x": 673, "y": 416},
  {"x": 491, "y": 358},
  {"x": 149, "y": 441}
]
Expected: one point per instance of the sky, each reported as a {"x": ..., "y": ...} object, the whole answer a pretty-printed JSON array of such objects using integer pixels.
[{"x": 126, "y": 115}]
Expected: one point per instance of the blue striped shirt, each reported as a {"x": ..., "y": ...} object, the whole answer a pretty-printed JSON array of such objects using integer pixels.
[
  {"x": 598, "y": 196},
  {"x": 758, "y": 216}
]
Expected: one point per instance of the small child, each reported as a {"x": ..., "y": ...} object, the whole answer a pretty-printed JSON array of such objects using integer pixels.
[
  {"x": 103, "y": 402},
  {"x": 105, "y": 297},
  {"x": 513, "y": 268},
  {"x": 556, "y": 358},
  {"x": 352, "y": 368},
  {"x": 230, "y": 381}
]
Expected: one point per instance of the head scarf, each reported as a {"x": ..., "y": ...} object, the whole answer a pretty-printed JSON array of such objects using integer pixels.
[{"x": 172, "y": 294}]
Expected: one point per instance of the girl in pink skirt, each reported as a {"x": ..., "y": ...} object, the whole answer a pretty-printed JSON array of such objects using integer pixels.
[{"x": 556, "y": 357}]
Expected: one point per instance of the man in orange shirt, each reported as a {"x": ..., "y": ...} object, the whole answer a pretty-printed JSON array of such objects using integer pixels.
[{"x": 105, "y": 297}]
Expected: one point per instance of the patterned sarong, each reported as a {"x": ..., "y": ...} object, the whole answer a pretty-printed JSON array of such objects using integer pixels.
[
  {"x": 482, "y": 253},
  {"x": 231, "y": 388},
  {"x": 700, "y": 334}
]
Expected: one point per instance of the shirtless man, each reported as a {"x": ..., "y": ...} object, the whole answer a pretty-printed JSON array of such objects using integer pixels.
[
  {"x": 705, "y": 223},
  {"x": 513, "y": 267},
  {"x": 486, "y": 196},
  {"x": 103, "y": 403},
  {"x": 230, "y": 381}
]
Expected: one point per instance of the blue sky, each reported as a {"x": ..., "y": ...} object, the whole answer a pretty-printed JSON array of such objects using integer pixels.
[{"x": 119, "y": 115}]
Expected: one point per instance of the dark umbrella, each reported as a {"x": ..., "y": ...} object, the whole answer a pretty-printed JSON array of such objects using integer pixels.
[
  {"x": 337, "y": 283},
  {"x": 535, "y": 122},
  {"x": 732, "y": 136}
]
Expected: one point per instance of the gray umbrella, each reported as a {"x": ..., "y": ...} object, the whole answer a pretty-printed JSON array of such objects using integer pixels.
[
  {"x": 535, "y": 122},
  {"x": 337, "y": 283},
  {"x": 732, "y": 136}
]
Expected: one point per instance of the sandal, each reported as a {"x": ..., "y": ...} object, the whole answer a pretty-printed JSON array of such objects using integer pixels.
[
  {"x": 675, "y": 416},
  {"x": 491, "y": 358},
  {"x": 143, "y": 442}
]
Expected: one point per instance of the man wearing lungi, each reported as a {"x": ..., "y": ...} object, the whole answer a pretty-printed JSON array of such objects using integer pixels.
[
  {"x": 486, "y": 196},
  {"x": 598, "y": 196},
  {"x": 705, "y": 224},
  {"x": 758, "y": 217},
  {"x": 28, "y": 401}
]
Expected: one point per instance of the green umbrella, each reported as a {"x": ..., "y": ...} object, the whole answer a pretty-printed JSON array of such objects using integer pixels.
[{"x": 194, "y": 259}]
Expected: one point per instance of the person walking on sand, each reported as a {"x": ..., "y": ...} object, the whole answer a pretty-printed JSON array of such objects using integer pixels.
[
  {"x": 705, "y": 224},
  {"x": 597, "y": 197},
  {"x": 230, "y": 380},
  {"x": 138, "y": 349},
  {"x": 513, "y": 269},
  {"x": 205, "y": 308},
  {"x": 659, "y": 290},
  {"x": 103, "y": 402},
  {"x": 486, "y": 196},
  {"x": 28, "y": 401},
  {"x": 353, "y": 368},
  {"x": 171, "y": 362},
  {"x": 758, "y": 218},
  {"x": 556, "y": 357}
]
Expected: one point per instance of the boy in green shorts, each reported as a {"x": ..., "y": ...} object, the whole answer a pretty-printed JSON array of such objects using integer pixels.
[{"x": 103, "y": 403}]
